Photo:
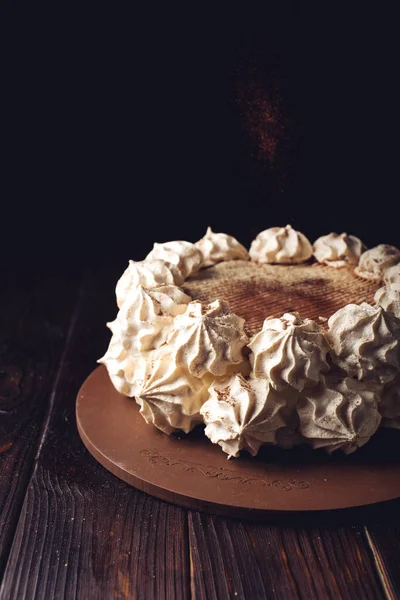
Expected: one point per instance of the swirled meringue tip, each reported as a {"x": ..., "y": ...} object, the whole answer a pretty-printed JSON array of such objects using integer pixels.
[
  {"x": 219, "y": 247},
  {"x": 392, "y": 274},
  {"x": 289, "y": 351},
  {"x": 147, "y": 315},
  {"x": 365, "y": 342},
  {"x": 167, "y": 417},
  {"x": 244, "y": 414},
  {"x": 149, "y": 274},
  {"x": 388, "y": 297},
  {"x": 208, "y": 338},
  {"x": 374, "y": 262},
  {"x": 390, "y": 404},
  {"x": 338, "y": 250},
  {"x": 281, "y": 245},
  {"x": 184, "y": 255},
  {"x": 338, "y": 414},
  {"x": 170, "y": 397}
]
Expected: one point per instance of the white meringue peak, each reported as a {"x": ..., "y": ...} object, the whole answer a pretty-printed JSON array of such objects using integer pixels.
[
  {"x": 126, "y": 371},
  {"x": 147, "y": 273},
  {"x": 289, "y": 351},
  {"x": 147, "y": 315},
  {"x": 219, "y": 247},
  {"x": 388, "y": 297},
  {"x": 365, "y": 342},
  {"x": 392, "y": 274},
  {"x": 170, "y": 397},
  {"x": 243, "y": 414},
  {"x": 280, "y": 245},
  {"x": 208, "y": 338},
  {"x": 183, "y": 255},
  {"x": 374, "y": 262},
  {"x": 338, "y": 414},
  {"x": 338, "y": 250}
]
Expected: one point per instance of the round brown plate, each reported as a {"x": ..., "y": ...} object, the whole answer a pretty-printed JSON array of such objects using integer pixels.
[{"x": 192, "y": 472}]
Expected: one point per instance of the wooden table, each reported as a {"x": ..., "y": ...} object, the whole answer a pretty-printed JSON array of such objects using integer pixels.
[{"x": 69, "y": 529}]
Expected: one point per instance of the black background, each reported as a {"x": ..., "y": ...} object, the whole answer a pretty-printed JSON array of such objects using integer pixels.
[{"x": 124, "y": 127}]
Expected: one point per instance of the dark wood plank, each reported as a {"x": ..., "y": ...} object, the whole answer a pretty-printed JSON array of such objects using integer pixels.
[
  {"x": 83, "y": 533},
  {"x": 35, "y": 314},
  {"x": 234, "y": 559},
  {"x": 383, "y": 534}
]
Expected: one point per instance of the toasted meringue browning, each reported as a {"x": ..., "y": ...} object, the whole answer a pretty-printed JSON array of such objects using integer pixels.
[
  {"x": 338, "y": 250},
  {"x": 184, "y": 255},
  {"x": 219, "y": 247},
  {"x": 388, "y": 297},
  {"x": 376, "y": 261},
  {"x": 244, "y": 414},
  {"x": 281, "y": 245},
  {"x": 366, "y": 342},
  {"x": 338, "y": 414},
  {"x": 289, "y": 351},
  {"x": 147, "y": 273},
  {"x": 208, "y": 338}
]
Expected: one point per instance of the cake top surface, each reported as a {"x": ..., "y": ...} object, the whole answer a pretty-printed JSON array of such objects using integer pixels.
[{"x": 255, "y": 291}]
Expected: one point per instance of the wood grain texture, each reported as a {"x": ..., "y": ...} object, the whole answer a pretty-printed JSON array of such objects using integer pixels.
[
  {"x": 234, "y": 559},
  {"x": 383, "y": 534},
  {"x": 82, "y": 533},
  {"x": 34, "y": 321}
]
